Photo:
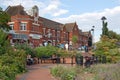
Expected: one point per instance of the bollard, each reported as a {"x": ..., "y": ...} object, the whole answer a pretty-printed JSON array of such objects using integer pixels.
[
  {"x": 63, "y": 60},
  {"x": 72, "y": 60}
]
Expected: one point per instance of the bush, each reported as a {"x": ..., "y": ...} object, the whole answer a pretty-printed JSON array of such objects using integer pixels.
[
  {"x": 12, "y": 61},
  {"x": 106, "y": 72},
  {"x": 26, "y": 48},
  {"x": 46, "y": 51},
  {"x": 57, "y": 71},
  {"x": 64, "y": 73},
  {"x": 11, "y": 65}
]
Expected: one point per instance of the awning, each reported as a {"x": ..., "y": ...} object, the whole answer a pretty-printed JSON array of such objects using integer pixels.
[
  {"x": 35, "y": 36},
  {"x": 20, "y": 36}
]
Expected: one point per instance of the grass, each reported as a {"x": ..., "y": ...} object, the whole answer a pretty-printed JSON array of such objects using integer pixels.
[{"x": 95, "y": 72}]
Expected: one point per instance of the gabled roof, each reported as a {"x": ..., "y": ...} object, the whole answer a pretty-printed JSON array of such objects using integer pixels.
[
  {"x": 69, "y": 26},
  {"x": 51, "y": 24},
  {"x": 14, "y": 10}
]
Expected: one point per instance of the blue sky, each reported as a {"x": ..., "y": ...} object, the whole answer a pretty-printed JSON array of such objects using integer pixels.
[{"x": 85, "y": 12}]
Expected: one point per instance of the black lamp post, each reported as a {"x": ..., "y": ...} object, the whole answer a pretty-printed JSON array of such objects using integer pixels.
[
  {"x": 103, "y": 18},
  {"x": 104, "y": 26},
  {"x": 92, "y": 35}
]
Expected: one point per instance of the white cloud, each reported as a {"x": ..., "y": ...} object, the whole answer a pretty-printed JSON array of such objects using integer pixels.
[
  {"x": 87, "y": 20},
  {"x": 61, "y": 11},
  {"x": 54, "y": 8},
  {"x": 49, "y": 7},
  {"x": 25, "y": 3},
  {"x": 53, "y": 5}
]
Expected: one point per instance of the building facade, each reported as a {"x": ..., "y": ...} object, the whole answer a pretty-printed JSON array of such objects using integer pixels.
[{"x": 36, "y": 30}]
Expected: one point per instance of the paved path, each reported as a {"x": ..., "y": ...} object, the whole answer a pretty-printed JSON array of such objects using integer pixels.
[
  {"x": 37, "y": 72},
  {"x": 40, "y": 72}
]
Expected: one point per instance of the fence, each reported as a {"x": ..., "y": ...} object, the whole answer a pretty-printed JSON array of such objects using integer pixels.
[{"x": 79, "y": 60}]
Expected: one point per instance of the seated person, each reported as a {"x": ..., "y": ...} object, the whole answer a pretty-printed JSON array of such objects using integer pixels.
[{"x": 54, "y": 58}]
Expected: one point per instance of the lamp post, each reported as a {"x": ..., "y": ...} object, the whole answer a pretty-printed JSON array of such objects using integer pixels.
[
  {"x": 103, "y": 19},
  {"x": 104, "y": 26},
  {"x": 93, "y": 36}
]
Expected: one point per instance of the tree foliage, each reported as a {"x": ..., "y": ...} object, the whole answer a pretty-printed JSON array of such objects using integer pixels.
[
  {"x": 113, "y": 35},
  {"x": 74, "y": 39},
  {"x": 12, "y": 61},
  {"x": 46, "y": 51},
  {"x": 0, "y": 9},
  {"x": 108, "y": 47},
  {"x": 105, "y": 29},
  {"x": 108, "y": 44},
  {"x": 26, "y": 48},
  {"x": 4, "y": 19},
  {"x": 4, "y": 43}
]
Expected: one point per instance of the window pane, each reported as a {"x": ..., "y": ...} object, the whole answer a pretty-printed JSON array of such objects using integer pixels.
[
  {"x": 23, "y": 26},
  {"x": 12, "y": 26}
]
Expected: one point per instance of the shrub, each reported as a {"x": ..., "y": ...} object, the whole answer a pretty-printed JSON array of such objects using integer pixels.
[
  {"x": 64, "y": 73},
  {"x": 46, "y": 51},
  {"x": 107, "y": 72},
  {"x": 11, "y": 64}
]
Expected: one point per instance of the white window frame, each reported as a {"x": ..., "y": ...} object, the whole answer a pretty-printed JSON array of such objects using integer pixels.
[
  {"x": 58, "y": 33},
  {"x": 44, "y": 31},
  {"x": 23, "y": 26},
  {"x": 11, "y": 26},
  {"x": 48, "y": 30}
]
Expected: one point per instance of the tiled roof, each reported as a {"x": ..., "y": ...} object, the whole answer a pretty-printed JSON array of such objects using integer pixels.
[
  {"x": 13, "y": 10},
  {"x": 51, "y": 24},
  {"x": 69, "y": 26}
]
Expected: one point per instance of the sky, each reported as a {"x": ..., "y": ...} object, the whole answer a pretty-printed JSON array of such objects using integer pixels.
[{"x": 86, "y": 13}]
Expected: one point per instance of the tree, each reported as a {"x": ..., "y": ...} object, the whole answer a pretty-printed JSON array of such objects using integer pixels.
[
  {"x": 46, "y": 51},
  {"x": 26, "y": 48},
  {"x": 112, "y": 35},
  {"x": 74, "y": 39},
  {"x": 12, "y": 61},
  {"x": 0, "y": 9},
  {"x": 90, "y": 41},
  {"x": 4, "y": 43},
  {"x": 104, "y": 28},
  {"x": 4, "y": 18}
]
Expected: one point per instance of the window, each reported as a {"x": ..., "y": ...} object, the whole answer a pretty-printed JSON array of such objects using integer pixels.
[
  {"x": 32, "y": 28},
  {"x": 58, "y": 33},
  {"x": 48, "y": 31},
  {"x": 53, "y": 33},
  {"x": 43, "y": 31},
  {"x": 12, "y": 26},
  {"x": 23, "y": 26},
  {"x": 75, "y": 29}
]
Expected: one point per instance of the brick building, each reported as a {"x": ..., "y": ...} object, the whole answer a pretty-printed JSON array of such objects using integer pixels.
[{"x": 36, "y": 30}]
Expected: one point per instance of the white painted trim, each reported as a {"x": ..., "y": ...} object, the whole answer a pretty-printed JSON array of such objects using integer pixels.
[
  {"x": 24, "y": 22},
  {"x": 11, "y": 22},
  {"x": 35, "y": 36},
  {"x": 36, "y": 24}
]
